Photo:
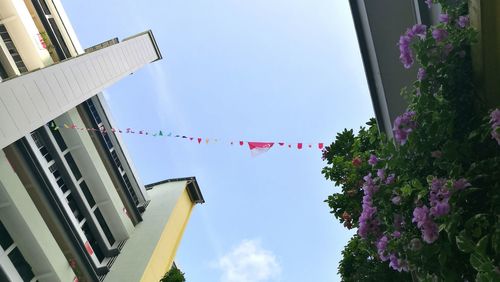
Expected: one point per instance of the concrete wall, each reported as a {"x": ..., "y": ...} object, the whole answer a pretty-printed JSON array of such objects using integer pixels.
[
  {"x": 27, "y": 227},
  {"x": 17, "y": 19},
  {"x": 163, "y": 255},
  {"x": 29, "y": 101},
  {"x": 150, "y": 251},
  {"x": 95, "y": 174}
]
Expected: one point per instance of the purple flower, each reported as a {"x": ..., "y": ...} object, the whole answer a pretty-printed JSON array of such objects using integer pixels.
[
  {"x": 420, "y": 215},
  {"x": 367, "y": 221},
  {"x": 463, "y": 21},
  {"x": 461, "y": 184},
  {"x": 390, "y": 179},
  {"x": 381, "y": 173},
  {"x": 417, "y": 30},
  {"x": 373, "y": 160},
  {"x": 396, "y": 234},
  {"x": 398, "y": 264},
  {"x": 438, "y": 197},
  {"x": 381, "y": 245},
  {"x": 439, "y": 34},
  {"x": 495, "y": 125},
  {"x": 421, "y": 74},
  {"x": 430, "y": 231},
  {"x": 495, "y": 117},
  {"x": 429, "y": 3},
  {"x": 406, "y": 56},
  {"x": 444, "y": 18},
  {"x": 396, "y": 200},
  {"x": 403, "y": 126},
  {"x": 440, "y": 209}
]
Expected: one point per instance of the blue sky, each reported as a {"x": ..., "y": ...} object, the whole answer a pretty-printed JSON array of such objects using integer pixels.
[{"x": 241, "y": 70}]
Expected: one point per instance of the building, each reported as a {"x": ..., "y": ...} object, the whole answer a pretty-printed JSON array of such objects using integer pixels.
[
  {"x": 72, "y": 207},
  {"x": 377, "y": 37}
]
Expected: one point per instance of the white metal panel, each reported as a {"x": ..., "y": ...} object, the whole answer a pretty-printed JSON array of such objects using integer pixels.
[{"x": 65, "y": 85}]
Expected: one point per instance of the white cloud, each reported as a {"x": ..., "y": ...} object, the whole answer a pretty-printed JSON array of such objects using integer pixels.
[{"x": 249, "y": 262}]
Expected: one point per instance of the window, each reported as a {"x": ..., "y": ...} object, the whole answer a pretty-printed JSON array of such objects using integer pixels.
[
  {"x": 93, "y": 242},
  {"x": 4, "y": 34},
  {"x": 45, "y": 8},
  {"x": 87, "y": 194},
  {"x": 130, "y": 189},
  {"x": 22, "y": 267},
  {"x": 41, "y": 146},
  {"x": 116, "y": 160},
  {"x": 13, "y": 266},
  {"x": 5, "y": 239},
  {"x": 74, "y": 208},
  {"x": 72, "y": 166},
  {"x": 3, "y": 74},
  {"x": 59, "y": 139},
  {"x": 107, "y": 140},
  {"x": 93, "y": 111},
  {"x": 104, "y": 226}
]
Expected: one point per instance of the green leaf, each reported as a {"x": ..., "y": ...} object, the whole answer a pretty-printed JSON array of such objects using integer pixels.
[
  {"x": 482, "y": 245},
  {"x": 476, "y": 261},
  {"x": 481, "y": 263},
  {"x": 482, "y": 277},
  {"x": 464, "y": 244},
  {"x": 406, "y": 190}
]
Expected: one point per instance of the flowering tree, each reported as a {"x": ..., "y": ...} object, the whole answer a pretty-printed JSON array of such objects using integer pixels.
[{"x": 426, "y": 202}]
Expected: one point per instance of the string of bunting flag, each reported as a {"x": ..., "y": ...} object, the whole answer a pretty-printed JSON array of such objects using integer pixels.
[{"x": 255, "y": 147}]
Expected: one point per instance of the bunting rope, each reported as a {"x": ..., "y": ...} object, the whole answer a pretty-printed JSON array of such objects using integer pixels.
[{"x": 256, "y": 147}]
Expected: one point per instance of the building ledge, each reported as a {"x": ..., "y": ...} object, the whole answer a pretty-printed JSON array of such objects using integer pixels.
[{"x": 151, "y": 249}]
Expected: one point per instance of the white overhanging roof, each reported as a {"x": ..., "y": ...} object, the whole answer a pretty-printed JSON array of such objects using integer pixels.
[{"x": 31, "y": 100}]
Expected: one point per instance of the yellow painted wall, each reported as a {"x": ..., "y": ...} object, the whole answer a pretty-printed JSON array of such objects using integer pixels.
[{"x": 164, "y": 253}]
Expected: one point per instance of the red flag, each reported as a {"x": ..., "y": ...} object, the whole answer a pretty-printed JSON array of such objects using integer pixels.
[
  {"x": 241, "y": 143},
  {"x": 257, "y": 148},
  {"x": 299, "y": 146},
  {"x": 199, "y": 140},
  {"x": 320, "y": 146}
]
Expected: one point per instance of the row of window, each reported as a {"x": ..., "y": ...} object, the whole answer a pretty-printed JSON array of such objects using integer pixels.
[
  {"x": 52, "y": 29},
  {"x": 109, "y": 145},
  {"x": 81, "y": 219}
]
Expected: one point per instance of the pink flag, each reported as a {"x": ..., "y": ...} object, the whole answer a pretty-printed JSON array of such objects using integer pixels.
[
  {"x": 320, "y": 146},
  {"x": 299, "y": 146},
  {"x": 257, "y": 148}
]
